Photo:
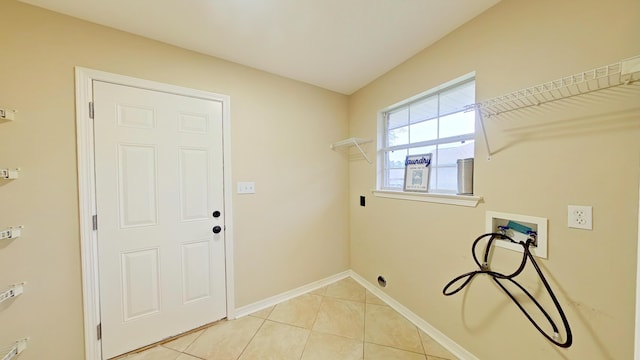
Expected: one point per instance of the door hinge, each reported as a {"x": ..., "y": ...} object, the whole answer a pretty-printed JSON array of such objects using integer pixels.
[
  {"x": 99, "y": 331},
  {"x": 91, "y": 110},
  {"x": 95, "y": 222}
]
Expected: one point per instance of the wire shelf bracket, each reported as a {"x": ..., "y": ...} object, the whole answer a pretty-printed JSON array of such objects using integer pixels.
[
  {"x": 352, "y": 142},
  {"x": 11, "y": 232},
  {"x": 15, "y": 349},
  {"x": 13, "y": 291},
  {"x": 624, "y": 72},
  {"x": 9, "y": 174},
  {"x": 7, "y": 114}
]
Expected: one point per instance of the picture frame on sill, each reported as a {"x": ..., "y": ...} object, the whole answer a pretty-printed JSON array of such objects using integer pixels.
[{"x": 416, "y": 172}]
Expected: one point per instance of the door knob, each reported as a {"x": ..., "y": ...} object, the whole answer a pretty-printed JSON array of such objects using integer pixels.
[{"x": 216, "y": 229}]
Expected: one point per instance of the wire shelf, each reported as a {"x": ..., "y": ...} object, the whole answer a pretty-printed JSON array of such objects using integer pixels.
[
  {"x": 352, "y": 142},
  {"x": 624, "y": 72}
]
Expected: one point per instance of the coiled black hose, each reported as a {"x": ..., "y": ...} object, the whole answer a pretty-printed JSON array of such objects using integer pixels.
[{"x": 496, "y": 276}]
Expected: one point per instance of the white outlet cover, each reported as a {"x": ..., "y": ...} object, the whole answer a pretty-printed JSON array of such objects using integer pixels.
[
  {"x": 580, "y": 217},
  {"x": 246, "y": 187}
]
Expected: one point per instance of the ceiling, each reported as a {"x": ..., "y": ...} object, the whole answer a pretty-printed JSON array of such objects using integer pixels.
[{"x": 340, "y": 45}]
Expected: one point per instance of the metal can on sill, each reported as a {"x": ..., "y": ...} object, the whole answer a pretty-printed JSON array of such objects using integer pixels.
[{"x": 465, "y": 176}]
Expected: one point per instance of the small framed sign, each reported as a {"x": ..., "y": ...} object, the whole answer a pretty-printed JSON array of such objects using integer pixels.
[{"x": 416, "y": 172}]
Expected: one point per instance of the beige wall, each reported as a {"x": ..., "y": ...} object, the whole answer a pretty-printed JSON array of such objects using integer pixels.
[
  {"x": 582, "y": 151},
  {"x": 296, "y": 228},
  {"x": 292, "y": 232}
]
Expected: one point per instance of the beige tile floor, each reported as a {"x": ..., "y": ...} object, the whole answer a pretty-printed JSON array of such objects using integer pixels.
[{"x": 342, "y": 321}]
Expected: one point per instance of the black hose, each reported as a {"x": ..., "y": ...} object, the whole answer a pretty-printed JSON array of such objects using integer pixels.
[{"x": 496, "y": 276}]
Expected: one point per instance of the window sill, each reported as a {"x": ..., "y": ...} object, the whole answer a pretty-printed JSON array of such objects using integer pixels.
[{"x": 449, "y": 199}]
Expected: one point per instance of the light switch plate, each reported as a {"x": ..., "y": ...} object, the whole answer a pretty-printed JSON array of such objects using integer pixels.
[{"x": 246, "y": 187}]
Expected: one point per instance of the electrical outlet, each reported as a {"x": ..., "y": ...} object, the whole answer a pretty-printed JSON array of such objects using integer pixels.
[{"x": 580, "y": 217}]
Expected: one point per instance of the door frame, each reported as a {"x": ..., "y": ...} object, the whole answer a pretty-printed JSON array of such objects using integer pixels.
[
  {"x": 87, "y": 192},
  {"x": 637, "y": 329}
]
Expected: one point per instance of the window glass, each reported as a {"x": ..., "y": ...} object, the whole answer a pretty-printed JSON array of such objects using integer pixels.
[
  {"x": 447, "y": 179},
  {"x": 398, "y": 118},
  {"x": 455, "y": 98},
  {"x": 398, "y": 136},
  {"x": 423, "y": 131},
  {"x": 422, "y": 150},
  {"x": 423, "y": 110},
  {"x": 396, "y": 178},
  {"x": 430, "y": 124},
  {"x": 451, "y": 152},
  {"x": 396, "y": 159},
  {"x": 457, "y": 123}
]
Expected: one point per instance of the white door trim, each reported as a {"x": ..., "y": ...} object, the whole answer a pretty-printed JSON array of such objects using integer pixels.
[
  {"x": 637, "y": 332},
  {"x": 87, "y": 191}
]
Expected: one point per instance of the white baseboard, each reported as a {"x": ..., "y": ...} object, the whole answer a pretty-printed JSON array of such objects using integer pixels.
[
  {"x": 288, "y": 295},
  {"x": 453, "y": 347},
  {"x": 437, "y": 335}
]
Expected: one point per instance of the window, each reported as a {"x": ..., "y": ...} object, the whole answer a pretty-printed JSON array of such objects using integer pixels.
[{"x": 434, "y": 122}]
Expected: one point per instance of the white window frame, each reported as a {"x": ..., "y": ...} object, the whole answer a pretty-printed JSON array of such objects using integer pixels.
[{"x": 445, "y": 198}]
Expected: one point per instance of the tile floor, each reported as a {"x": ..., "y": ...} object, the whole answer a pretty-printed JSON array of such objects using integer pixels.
[{"x": 342, "y": 321}]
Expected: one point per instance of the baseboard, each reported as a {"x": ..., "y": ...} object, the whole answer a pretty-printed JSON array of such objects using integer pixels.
[
  {"x": 428, "y": 329},
  {"x": 274, "y": 300},
  {"x": 453, "y": 347}
]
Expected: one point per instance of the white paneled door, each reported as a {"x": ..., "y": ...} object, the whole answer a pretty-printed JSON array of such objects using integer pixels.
[{"x": 159, "y": 199}]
